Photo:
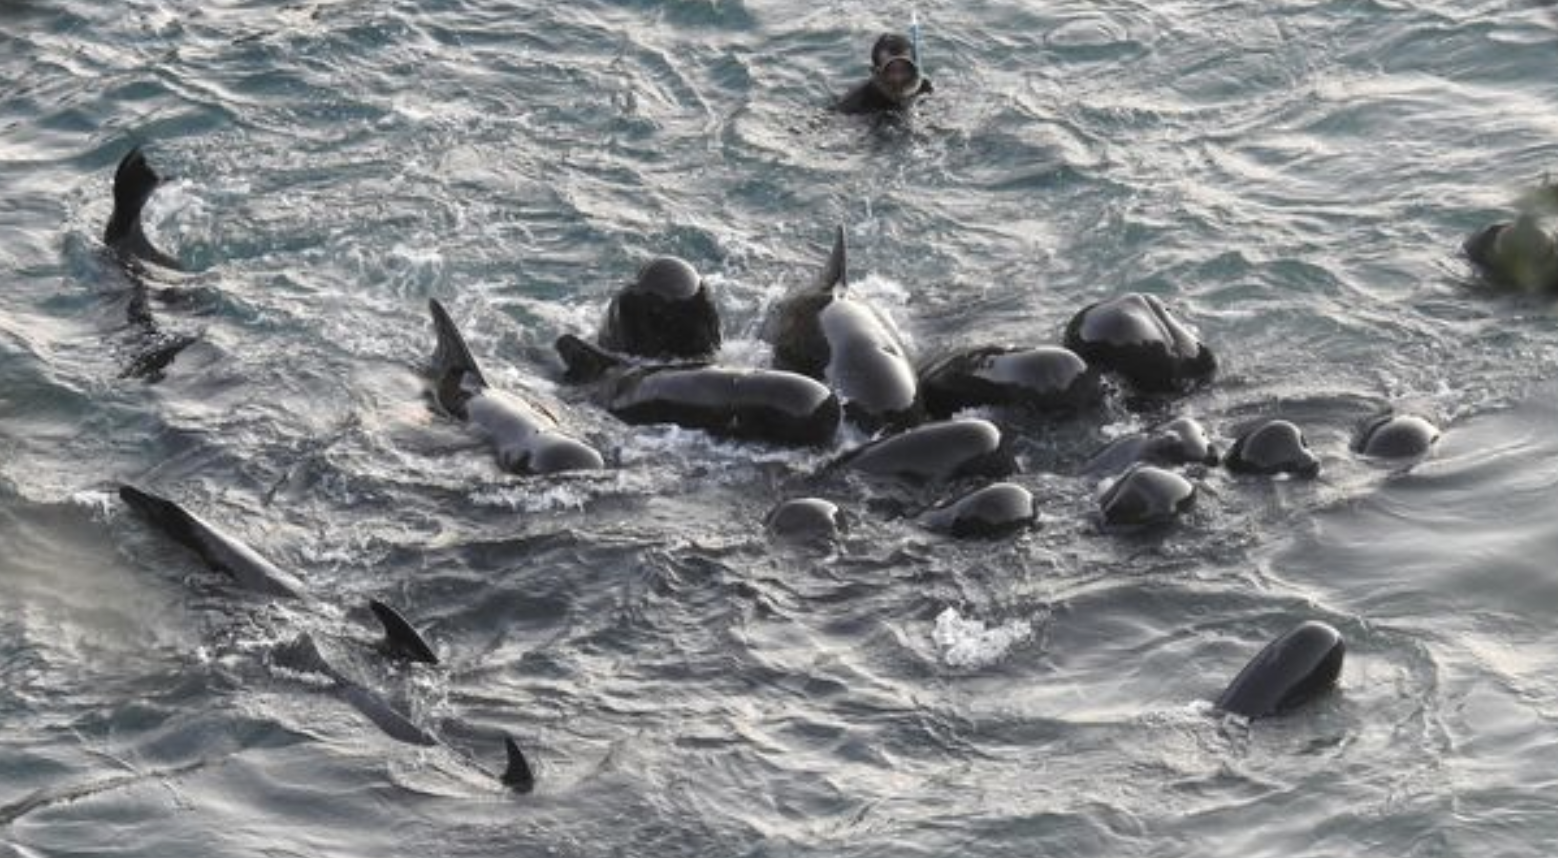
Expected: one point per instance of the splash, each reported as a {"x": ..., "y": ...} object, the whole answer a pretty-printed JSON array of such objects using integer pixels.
[{"x": 972, "y": 643}]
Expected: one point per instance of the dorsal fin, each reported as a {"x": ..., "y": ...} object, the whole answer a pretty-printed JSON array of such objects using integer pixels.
[
  {"x": 586, "y": 361},
  {"x": 518, "y": 775},
  {"x": 400, "y": 639},
  {"x": 452, "y": 362},
  {"x": 836, "y": 272},
  {"x": 302, "y": 654}
]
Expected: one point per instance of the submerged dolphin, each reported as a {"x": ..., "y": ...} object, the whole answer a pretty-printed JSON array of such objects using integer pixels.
[
  {"x": 134, "y": 182},
  {"x": 527, "y": 439},
  {"x": 227, "y": 554}
]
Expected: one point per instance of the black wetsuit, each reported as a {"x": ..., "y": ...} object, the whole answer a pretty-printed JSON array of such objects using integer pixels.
[{"x": 869, "y": 98}]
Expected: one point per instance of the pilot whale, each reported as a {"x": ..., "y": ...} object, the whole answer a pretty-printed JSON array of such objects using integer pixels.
[
  {"x": 1517, "y": 255},
  {"x": 220, "y": 551},
  {"x": 1291, "y": 671},
  {"x": 526, "y": 438},
  {"x": 1180, "y": 441},
  {"x": 751, "y": 404},
  {"x": 666, "y": 312},
  {"x": 824, "y": 333},
  {"x": 934, "y": 453},
  {"x": 1042, "y": 379},
  {"x": 1138, "y": 339},
  {"x": 247, "y": 567}
]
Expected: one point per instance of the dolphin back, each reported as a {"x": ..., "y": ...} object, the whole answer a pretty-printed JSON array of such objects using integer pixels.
[
  {"x": 217, "y": 549},
  {"x": 302, "y": 654},
  {"x": 1292, "y": 670},
  {"x": 168, "y": 517}
]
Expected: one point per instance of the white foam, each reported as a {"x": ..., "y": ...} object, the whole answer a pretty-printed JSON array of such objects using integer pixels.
[
  {"x": 99, "y": 502},
  {"x": 972, "y": 643},
  {"x": 526, "y": 498}
]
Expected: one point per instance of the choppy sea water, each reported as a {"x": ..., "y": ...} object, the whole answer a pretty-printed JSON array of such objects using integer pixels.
[{"x": 1294, "y": 178}]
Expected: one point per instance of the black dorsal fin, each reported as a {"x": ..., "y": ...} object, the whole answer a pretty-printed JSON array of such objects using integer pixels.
[
  {"x": 400, "y": 639},
  {"x": 452, "y": 353},
  {"x": 452, "y": 362},
  {"x": 518, "y": 775},
  {"x": 836, "y": 272}
]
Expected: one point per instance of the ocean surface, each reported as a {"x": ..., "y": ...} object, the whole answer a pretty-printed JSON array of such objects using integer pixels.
[{"x": 1294, "y": 178}]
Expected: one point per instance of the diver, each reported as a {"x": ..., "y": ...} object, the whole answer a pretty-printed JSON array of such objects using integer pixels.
[{"x": 895, "y": 81}]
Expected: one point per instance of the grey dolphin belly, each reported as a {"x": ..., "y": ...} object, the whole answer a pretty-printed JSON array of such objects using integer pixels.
[
  {"x": 865, "y": 363},
  {"x": 525, "y": 440}
]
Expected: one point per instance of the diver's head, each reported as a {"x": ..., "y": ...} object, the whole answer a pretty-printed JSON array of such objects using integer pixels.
[{"x": 893, "y": 69}]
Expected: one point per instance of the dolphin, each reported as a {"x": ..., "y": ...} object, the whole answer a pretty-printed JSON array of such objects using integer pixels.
[
  {"x": 825, "y": 333},
  {"x": 1291, "y": 671},
  {"x": 219, "y": 550},
  {"x": 666, "y": 312},
  {"x": 769, "y": 405},
  {"x": 401, "y": 641},
  {"x": 527, "y": 438}
]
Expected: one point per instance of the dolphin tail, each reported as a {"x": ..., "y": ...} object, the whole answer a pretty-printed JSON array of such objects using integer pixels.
[
  {"x": 586, "y": 361},
  {"x": 134, "y": 182},
  {"x": 835, "y": 273},
  {"x": 400, "y": 639},
  {"x": 518, "y": 775},
  {"x": 166, "y": 515},
  {"x": 452, "y": 362}
]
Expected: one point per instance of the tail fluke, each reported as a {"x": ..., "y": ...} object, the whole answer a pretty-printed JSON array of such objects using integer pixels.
[
  {"x": 400, "y": 639},
  {"x": 835, "y": 273},
  {"x": 518, "y": 775},
  {"x": 586, "y": 361},
  {"x": 134, "y": 182}
]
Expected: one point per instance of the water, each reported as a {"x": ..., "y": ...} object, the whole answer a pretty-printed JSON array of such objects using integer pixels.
[{"x": 1295, "y": 179}]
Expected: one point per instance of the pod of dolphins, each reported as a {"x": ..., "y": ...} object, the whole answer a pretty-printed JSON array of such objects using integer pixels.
[{"x": 837, "y": 360}]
